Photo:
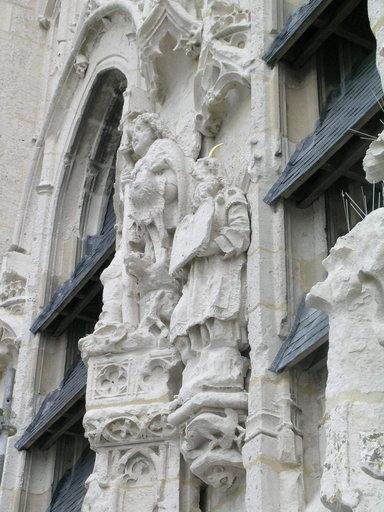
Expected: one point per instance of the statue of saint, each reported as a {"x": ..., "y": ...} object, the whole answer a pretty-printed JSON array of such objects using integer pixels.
[
  {"x": 157, "y": 190},
  {"x": 210, "y": 244},
  {"x": 154, "y": 188}
]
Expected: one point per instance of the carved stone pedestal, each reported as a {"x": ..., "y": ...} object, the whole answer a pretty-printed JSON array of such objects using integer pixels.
[{"x": 138, "y": 456}]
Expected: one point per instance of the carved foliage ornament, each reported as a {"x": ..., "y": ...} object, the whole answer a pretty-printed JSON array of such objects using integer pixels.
[
  {"x": 128, "y": 428},
  {"x": 220, "y": 41},
  {"x": 372, "y": 454},
  {"x": 133, "y": 377},
  {"x": 12, "y": 292},
  {"x": 142, "y": 468},
  {"x": 224, "y": 64}
]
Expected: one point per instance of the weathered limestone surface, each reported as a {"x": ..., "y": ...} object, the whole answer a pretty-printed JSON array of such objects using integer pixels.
[
  {"x": 182, "y": 410},
  {"x": 21, "y": 77},
  {"x": 352, "y": 296}
]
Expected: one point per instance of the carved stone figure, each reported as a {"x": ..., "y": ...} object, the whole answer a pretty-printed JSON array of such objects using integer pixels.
[
  {"x": 157, "y": 193},
  {"x": 81, "y": 65},
  {"x": 206, "y": 325},
  {"x": 214, "y": 440},
  {"x": 130, "y": 357}
]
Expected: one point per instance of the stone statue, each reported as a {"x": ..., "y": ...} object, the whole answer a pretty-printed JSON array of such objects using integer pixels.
[
  {"x": 155, "y": 188},
  {"x": 205, "y": 325},
  {"x": 129, "y": 356},
  {"x": 157, "y": 195}
]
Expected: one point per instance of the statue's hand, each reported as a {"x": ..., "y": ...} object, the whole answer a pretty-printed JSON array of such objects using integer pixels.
[
  {"x": 136, "y": 264},
  {"x": 211, "y": 250}
]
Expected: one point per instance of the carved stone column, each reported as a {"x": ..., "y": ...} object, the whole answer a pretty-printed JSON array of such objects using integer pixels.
[{"x": 353, "y": 297}]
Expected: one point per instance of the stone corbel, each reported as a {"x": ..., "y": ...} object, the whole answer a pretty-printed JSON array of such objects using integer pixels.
[
  {"x": 167, "y": 17},
  {"x": 13, "y": 283},
  {"x": 224, "y": 65},
  {"x": 212, "y": 436}
]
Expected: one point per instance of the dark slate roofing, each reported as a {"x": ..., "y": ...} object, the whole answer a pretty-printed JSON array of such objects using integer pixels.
[
  {"x": 56, "y": 403},
  {"x": 70, "y": 491},
  {"x": 309, "y": 331},
  {"x": 346, "y": 110},
  {"x": 294, "y": 28},
  {"x": 101, "y": 247}
]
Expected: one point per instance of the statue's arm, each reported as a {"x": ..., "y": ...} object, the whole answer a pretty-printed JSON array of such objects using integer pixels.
[{"x": 235, "y": 236}]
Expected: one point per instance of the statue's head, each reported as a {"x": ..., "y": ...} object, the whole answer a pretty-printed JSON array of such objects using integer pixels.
[
  {"x": 145, "y": 129},
  {"x": 208, "y": 168},
  {"x": 81, "y": 65},
  {"x": 210, "y": 174}
]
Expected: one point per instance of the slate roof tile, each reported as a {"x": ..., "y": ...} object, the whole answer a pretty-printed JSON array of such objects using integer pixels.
[
  {"x": 294, "y": 28},
  {"x": 70, "y": 491},
  {"x": 310, "y": 330},
  {"x": 101, "y": 246},
  {"x": 70, "y": 390},
  {"x": 343, "y": 112}
]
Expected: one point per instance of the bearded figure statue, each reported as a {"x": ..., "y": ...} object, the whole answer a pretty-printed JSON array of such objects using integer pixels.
[
  {"x": 208, "y": 328},
  {"x": 206, "y": 325}
]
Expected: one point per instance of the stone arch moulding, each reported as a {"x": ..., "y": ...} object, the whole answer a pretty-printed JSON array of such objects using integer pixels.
[
  {"x": 80, "y": 162},
  {"x": 85, "y": 27}
]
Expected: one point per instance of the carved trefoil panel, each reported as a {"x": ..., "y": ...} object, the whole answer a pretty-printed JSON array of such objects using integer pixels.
[{"x": 129, "y": 378}]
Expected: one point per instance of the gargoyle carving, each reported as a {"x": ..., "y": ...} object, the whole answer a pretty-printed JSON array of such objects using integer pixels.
[{"x": 212, "y": 444}]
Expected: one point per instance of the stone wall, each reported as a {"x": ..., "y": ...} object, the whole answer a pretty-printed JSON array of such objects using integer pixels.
[
  {"x": 182, "y": 410},
  {"x": 22, "y": 50}
]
